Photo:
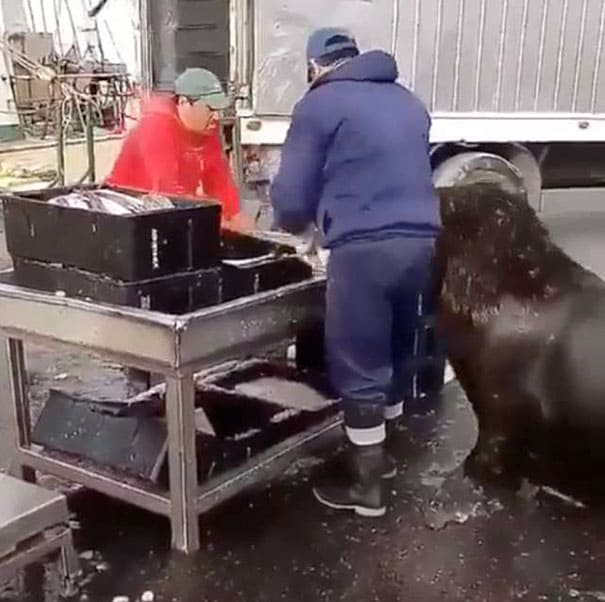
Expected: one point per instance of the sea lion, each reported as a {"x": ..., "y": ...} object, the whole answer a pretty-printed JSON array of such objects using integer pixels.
[{"x": 524, "y": 327}]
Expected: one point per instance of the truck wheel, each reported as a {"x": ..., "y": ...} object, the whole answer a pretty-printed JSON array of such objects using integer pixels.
[{"x": 479, "y": 167}]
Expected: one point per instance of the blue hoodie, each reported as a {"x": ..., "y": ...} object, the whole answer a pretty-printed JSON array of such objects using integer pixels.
[{"x": 356, "y": 160}]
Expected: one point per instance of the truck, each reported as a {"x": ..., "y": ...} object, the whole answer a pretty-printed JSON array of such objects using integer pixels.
[{"x": 509, "y": 83}]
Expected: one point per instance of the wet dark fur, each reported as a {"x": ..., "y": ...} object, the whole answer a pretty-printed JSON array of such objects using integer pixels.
[{"x": 525, "y": 329}]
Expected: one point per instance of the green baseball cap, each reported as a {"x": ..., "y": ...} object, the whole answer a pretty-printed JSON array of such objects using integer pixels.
[{"x": 197, "y": 83}]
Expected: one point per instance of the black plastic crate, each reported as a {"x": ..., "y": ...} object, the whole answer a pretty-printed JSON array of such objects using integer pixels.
[
  {"x": 84, "y": 430},
  {"x": 254, "y": 265},
  {"x": 134, "y": 441},
  {"x": 278, "y": 372},
  {"x": 175, "y": 294},
  {"x": 126, "y": 247},
  {"x": 239, "y": 246},
  {"x": 262, "y": 276},
  {"x": 137, "y": 444}
]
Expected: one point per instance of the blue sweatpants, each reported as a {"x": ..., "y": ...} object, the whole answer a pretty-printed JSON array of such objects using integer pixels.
[{"x": 371, "y": 321}]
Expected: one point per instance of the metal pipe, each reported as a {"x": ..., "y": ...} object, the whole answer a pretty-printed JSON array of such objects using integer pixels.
[
  {"x": 18, "y": 370},
  {"x": 90, "y": 143},
  {"x": 13, "y": 374},
  {"x": 182, "y": 461},
  {"x": 60, "y": 145}
]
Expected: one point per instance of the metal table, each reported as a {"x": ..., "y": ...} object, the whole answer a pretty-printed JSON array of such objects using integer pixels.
[
  {"x": 174, "y": 346},
  {"x": 33, "y": 525}
]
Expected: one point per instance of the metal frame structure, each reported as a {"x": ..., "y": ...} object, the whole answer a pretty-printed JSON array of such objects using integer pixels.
[
  {"x": 176, "y": 347},
  {"x": 57, "y": 541}
]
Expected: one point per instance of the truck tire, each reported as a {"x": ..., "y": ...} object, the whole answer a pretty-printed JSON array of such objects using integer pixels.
[{"x": 479, "y": 167}]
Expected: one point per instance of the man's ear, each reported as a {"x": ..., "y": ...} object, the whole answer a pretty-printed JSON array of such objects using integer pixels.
[{"x": 312, "y": 71}]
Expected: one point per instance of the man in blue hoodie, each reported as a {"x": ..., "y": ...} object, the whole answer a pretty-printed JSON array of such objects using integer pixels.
[{"x": 356, "y": 162}]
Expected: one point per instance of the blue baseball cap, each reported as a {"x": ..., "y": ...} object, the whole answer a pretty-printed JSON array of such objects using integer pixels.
[{"x": 323, "y": 42}]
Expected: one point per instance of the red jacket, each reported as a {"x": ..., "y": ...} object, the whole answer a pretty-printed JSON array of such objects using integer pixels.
[{"x": 160, "y": 155}]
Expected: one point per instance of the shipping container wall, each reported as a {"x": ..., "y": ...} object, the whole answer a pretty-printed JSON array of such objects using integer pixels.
[{"x": 504, "y": 56}]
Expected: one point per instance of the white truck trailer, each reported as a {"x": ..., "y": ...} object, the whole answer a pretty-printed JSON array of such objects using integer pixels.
[{"x": 520, "y": 80}]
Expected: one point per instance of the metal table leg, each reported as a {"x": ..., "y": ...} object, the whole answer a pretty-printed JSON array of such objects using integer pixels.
[
  {"x": 13, "y": 371},
  {"x": 182, "y": 463},
  {"x": 69, "y": 566}
]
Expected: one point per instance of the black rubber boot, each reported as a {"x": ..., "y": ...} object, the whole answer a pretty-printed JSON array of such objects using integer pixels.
[
  {"x": 389, "y": 467},
  {"x": 362, "y": 490},
  {"x": 387, "y": 472},
  {"x": 391, "y": 428}
]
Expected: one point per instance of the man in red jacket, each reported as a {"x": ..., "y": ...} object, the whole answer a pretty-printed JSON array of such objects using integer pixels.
[{"x": 176, "y": 150}]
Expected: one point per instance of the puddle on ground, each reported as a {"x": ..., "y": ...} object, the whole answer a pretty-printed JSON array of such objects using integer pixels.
[
  {"x": 575, "y": 594},
  {"x": 438, "y": 519},
  {"x": 457, "y": 501}
]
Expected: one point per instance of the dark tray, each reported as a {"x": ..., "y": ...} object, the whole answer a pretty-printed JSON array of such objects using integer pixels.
[
  {"x": 130, "y": 248},
  {"x": 236, "y": 245},
  {"x": 262, "y": 276},
  {"x": 81, "y": 428},
  {"x": 135, "y": 442},
  {"x": 175, "y": 294},
  {"x": 270, "y": 265},
  {"x": 256, "y": 369}
]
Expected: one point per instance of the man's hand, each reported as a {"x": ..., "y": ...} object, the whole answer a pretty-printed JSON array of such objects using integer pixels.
[{"x": 241, "y": 223}]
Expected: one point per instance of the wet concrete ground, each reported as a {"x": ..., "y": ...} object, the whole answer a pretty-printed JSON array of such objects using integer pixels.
[{"x": 443, "y": 539}]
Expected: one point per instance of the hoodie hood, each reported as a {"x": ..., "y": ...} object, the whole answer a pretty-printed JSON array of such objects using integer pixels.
[
  {"x": 159, "y": 103},
  {"x": 373, "y": 66}
]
